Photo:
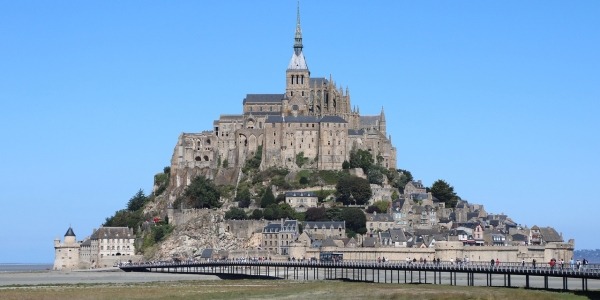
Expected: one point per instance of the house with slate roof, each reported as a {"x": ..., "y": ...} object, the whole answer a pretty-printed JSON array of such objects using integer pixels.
[
  {"x": 334, "y": 229},
  {"x": 379, "y": 222},
  {"x": 277, "y": 236},
  {"x": 301, "y": 201}
]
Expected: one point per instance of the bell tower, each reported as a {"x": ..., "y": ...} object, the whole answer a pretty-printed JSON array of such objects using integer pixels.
[{"x": 297, "y": 76}]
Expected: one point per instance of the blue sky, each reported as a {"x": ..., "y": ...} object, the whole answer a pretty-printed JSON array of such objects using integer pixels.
[{"x": 500, "y": 99}]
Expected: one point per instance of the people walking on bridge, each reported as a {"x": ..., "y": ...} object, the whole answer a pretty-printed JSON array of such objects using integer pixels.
[
  {"x": 572, "y": 262},
  {"x": 492, "y": 263},
  {"x": 552, "y": 263},
  {"x": 497, "y": 262},
  {"x": 534, "y": 263},
  {"x": 561, "y": 263},
  {"x": 523, "y": 263}
]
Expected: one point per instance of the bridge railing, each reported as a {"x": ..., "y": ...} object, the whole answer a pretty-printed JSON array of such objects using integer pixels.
[{"x": 512, "y": 267}]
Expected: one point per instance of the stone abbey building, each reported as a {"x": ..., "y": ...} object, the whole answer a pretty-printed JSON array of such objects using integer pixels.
[{"x": 312, "y": 119}]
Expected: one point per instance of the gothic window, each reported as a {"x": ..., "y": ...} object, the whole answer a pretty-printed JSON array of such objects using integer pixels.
[
  {"x": 302, "y": 93},
  {"x": 303, "y": 83}
]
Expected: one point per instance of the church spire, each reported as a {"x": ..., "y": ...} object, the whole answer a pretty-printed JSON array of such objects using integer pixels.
[
  {"x": 298, "y": 36},
  {"x": 298, "y": 62}
]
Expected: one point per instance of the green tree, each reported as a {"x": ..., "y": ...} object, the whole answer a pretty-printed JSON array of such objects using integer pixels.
[
  {"x": 356, "y": 220},
  {"x": 444, "y": 192},
  {"x": 303, "y": 180},
  {"x": 404, "y": 177},
  {"x": 382, "y": 206},
  {"x": 125, "y": 218},
  {"x": 243, "y": 197},
  {"x": 354, "y": 190},
  {"x": 201, "y": 193},
  {"x": 346, "y": 165},
  {"x": 267, "y": 199},
  {"x": 235, "y": 213},
  {"x": 257, "y": 214},
  {"x": 379, "y": 207},
  {"x": 300, "y": 159},
  {"x": 334, "y": 214},
  {"x": 225, "y": 163},
  {"x": 137, "y": 201},
  {"x": 254, "y": 162},
  {"x": 361, "y": 159},
  {"x": 375, "y": 176},
  {"x": 316, "y": 214},
  {"x": 270, "y": 213}
]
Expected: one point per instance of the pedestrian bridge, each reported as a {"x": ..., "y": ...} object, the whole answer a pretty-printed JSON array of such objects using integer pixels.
[{"x": 565, "y": 278}]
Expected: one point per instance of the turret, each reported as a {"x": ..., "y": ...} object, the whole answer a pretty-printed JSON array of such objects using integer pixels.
[
  {"x": 382, "y": 124},
  {"x": 70, "y": 237}
]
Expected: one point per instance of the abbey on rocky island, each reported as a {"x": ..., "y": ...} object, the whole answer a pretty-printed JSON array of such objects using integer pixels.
[{"x": 313, "y": 119}]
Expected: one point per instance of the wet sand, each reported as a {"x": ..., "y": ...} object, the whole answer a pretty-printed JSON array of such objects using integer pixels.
[{"x": 91, "y": 277}]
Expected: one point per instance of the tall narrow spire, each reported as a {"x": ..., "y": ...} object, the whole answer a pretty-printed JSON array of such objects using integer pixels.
[
  {"x": 298, "y": 36},
  {"x": 298, "y": 62}
]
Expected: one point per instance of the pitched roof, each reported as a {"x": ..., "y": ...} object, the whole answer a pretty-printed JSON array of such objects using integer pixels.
[
  {"x": 325, "y": 224},
  {"x": 112, "y": 233},
  {"x": 549, "y": 234},
  {"x": 318, "y": 81},
  {"x": 291, "y": 119},
  {"x": 369, "y": 242},
  {"x": 380, "y": 218},
  {"x": 263, "y": 98},
  {"x": 356, "y": 132},
  {"x": 300, "y": 194},
  {"x": 369, "y": 120},
  {"x": 329, "y": 243},
  {"x": 332, "y": 119},
  {"x": 207, "y": 253}
]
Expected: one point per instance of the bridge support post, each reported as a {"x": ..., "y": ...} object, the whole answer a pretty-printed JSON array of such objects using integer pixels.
[
  {"x": 526, "y": 281},
  {"x": 545, "y": 282}
]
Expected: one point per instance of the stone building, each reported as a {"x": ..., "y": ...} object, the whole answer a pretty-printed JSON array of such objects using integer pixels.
[
  {"x": 278, "y": 236},
  {"x": 325, "y": 229},
  {"x": 66, "y": 254},
  {"x": 312, "y": 119},
  {"x": 109, "y": 245},
  {"x": 301, "y": 201}
]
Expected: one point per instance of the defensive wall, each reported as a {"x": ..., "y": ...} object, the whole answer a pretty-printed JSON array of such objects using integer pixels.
[{"x": 446, "y": 251}]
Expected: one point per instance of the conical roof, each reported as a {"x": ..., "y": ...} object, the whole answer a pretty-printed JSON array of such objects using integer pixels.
[{"x": 70, "y": 232}]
